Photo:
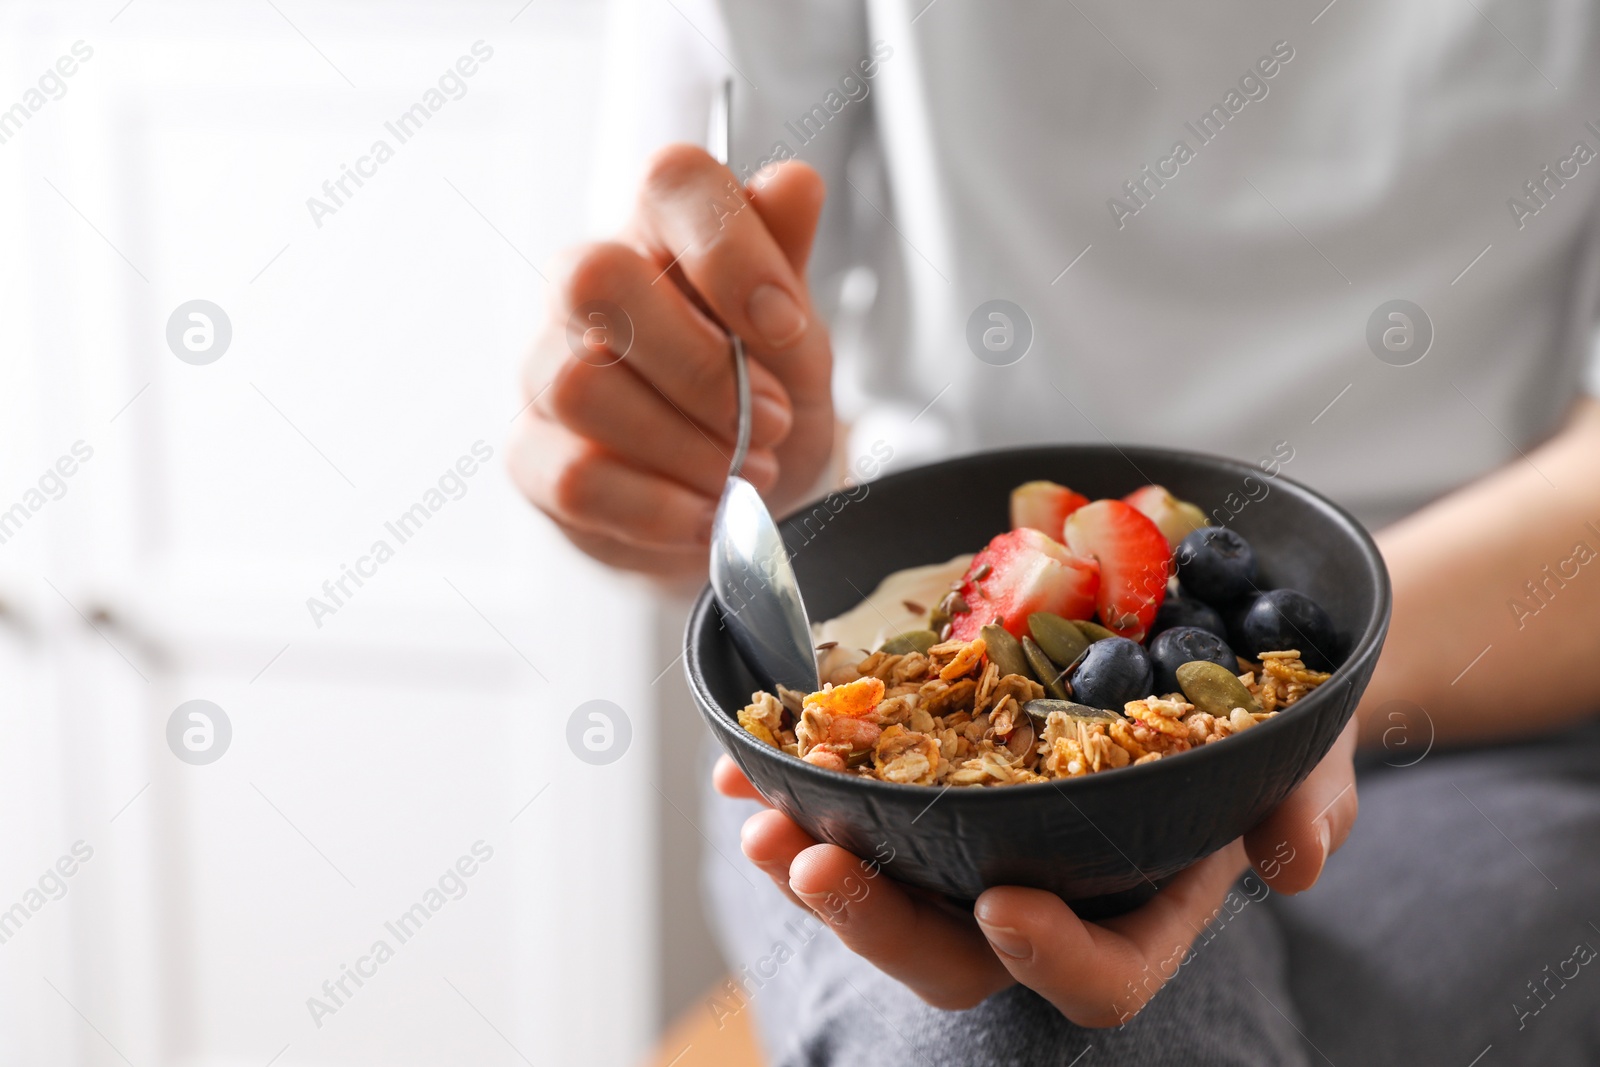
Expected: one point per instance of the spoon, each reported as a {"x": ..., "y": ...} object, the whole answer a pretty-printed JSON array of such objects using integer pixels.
[{"x": 751, "y": 575}]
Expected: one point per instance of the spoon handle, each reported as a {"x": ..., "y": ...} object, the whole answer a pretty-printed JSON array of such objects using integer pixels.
[
  {"x": 722, "y": 149},
  {"x": 741, "y": 373}
]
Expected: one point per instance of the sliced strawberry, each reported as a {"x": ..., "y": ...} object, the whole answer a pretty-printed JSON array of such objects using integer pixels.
[
  {"x": 1044, "y": 506},
  {"x": 1134, "y": 558},
  {"x": 1019, "y": 573},
  {"x": 1175, "y": 518}
]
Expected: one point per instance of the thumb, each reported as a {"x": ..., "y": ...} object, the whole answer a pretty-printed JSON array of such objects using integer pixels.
[
  {"x": 1290, "y": 848},
  {"x": 789, "y": 197}
]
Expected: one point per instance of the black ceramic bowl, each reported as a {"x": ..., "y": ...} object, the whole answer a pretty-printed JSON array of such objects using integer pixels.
[{"x": 1104, "y": 841}]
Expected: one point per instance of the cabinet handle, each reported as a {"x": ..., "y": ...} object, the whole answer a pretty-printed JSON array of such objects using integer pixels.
[
  {"x": 105, "y": 618},
  {"x": 14, "y": 619}
]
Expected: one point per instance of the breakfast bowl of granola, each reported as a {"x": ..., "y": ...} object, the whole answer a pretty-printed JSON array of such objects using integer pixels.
[{"x": 1076, "y": 668}]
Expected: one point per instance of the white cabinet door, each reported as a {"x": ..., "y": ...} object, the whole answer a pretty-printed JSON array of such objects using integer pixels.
[{"x": 398, "y": 857}]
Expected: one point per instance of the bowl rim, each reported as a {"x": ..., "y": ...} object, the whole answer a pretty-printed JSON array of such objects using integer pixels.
[{"x": 1366, "y": 645}]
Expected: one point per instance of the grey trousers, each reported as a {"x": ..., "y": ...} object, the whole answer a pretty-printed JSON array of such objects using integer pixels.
[{"x": 1459, "y": 926}]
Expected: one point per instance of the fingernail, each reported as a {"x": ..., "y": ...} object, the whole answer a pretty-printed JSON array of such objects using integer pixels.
[
  {"x": 1006, "y": 941},
  {"x": 770, "y": 411},
  {"x": 1325, "y": 839},
  {"x": 760, "y": 470},
  {"x": 831, "y": 907},
  {"x": 777, "y": 318}
]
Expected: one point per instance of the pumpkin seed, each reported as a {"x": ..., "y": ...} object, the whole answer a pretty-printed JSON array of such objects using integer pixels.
[
  {"x": 910, "y": 641},
  {"x": 1214, "y": 689},
  {"x": 1092, "y": 630},
  {"x": 1056, "y": 637},
  {"x": 1004, "y": 651},
  {"x": 1048, "y": 673},
  {"x": 1039, "y": 711}
]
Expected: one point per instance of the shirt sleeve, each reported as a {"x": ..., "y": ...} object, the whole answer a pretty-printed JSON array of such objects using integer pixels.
[
  {"x": 1591, "y": 380},
  {"x": 800, "y": 91},
  {"x": 660, "y": 63}
]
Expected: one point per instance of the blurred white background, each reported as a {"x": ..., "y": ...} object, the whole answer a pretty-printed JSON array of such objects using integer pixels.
[{"x": 429, "y": 712}]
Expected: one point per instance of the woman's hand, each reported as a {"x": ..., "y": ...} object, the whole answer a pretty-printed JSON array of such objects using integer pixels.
[
  {"x": 630, "y": 418},
  {"x": 1096, "y": 974}
]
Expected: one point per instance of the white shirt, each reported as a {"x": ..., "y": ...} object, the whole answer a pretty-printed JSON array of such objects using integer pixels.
[{"x": 1222, "y": 303}]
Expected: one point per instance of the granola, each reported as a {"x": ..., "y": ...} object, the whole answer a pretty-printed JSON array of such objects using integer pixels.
[
  {"x": 949, "y": 717},
  {"x": 1087, "y": 637}
]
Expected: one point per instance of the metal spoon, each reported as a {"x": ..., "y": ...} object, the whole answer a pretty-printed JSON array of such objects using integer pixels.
[{"x": 751, "y": 576}]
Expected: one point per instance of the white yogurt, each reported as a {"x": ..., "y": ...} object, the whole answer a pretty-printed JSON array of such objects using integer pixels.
[{"x": 884, "y": 613}]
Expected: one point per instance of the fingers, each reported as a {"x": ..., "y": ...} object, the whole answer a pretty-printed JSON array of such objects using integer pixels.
[
  {"x": 693, "y": 215},
  {"x": 730, "y": 781},
  {"x": 631, "y": 381},
  {"x": 607, "y": 451},
  {"x": 658, "y": 335},
  {"x": 633, "y": 420},
  {"x": 693, "y": 212},
  {"x": 771, "y": 841},
  {"x": 582, "y": 486},
  {"x": 789, "y": 197},
  {"x": 668, "y": 564},
  {"x": 939, "y": 956},
  {"x": 1101, "y": 975},
  {"x": 1291, "y": 847}
]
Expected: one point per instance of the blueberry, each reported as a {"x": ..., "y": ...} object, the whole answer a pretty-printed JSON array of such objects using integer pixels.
[
  {"x": 1233, "y": 614},
  {"x": 1114, "y": 671},
  {"x": 1283, "y": 619},
  {"x": 1216, "y": 565},
  {"x": 1185, "y": 611},
  {"x": 1185, "y": 644}
]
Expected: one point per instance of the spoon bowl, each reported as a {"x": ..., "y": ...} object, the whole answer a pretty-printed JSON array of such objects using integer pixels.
[{"x": 757, "y": 593}]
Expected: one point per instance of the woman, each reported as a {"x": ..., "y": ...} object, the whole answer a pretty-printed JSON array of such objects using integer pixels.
[{"x": 1361, "y": 236}]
